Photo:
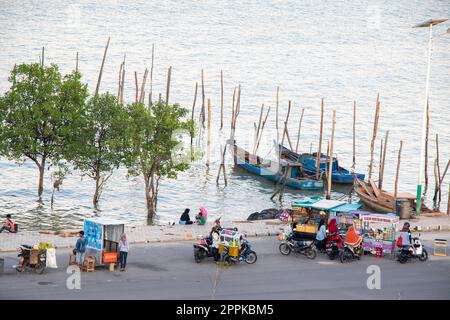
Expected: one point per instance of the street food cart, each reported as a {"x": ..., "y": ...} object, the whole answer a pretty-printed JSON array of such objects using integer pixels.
[
  {"x": 379, "y": 233},
  {"x": 102, "y": 239},
  {"x": 230, "y": 242},
  {"x": 348, "y": 215}
]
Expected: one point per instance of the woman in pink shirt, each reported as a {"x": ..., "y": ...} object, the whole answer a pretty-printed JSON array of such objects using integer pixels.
[{"x": 8, "y": 224}]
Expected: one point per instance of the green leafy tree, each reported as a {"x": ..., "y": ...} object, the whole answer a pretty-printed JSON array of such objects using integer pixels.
[
  {"x": 101, "y": 147},
  {"x": 41, "y": 113},
  {"x": 155, "y": 137}
]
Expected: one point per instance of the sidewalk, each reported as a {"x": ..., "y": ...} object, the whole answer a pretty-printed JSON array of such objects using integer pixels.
[{"x": 147, "y": 234}]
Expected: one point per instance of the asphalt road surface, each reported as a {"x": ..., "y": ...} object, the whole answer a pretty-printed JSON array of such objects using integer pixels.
[{"x": 168, "y": 271}]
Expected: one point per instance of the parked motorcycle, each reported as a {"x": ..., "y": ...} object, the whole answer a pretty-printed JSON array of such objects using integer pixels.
[
  {"x": 246, "y": 254},
  {"x": 203, "y": 249},
  {"x": 333, "y": 246},
  {"x": 30, "y": 258},
  {"x": 350, "y": 252},
  {"x": 305, "y": 247},
  {"x": 414, "y": 251}
]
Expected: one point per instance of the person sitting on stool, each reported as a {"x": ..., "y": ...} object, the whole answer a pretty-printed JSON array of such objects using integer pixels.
[{"x": 8, "y": 225}]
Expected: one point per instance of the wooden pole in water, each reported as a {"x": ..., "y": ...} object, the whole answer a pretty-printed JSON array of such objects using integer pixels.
[
  {"x": 427, "y": 133},
  {"x": 120, "y": 82},
  {"x": 136, "y": 86},
  {"x": 328, "y": 156},
  {"x": 262, "y": 129},
  {"x": 437, "y": 177},
  {"x": 286, "y": 132},
  {"x": 76, "y": 63},
  {"x": 144, "y": 80},
  {"x": 380, "y": 183},
  {"x": 374, "y": 134},
  {"x": 151, "y": 75},
  {"x": 42, "y": 60},
  {"x": 123, "y": 80},
  {"x": 354, "y": 136},
  {"x": 202, "y": 113},
  {"x": 331, "y": 156},
  {"x": 299, "y": 130},
  {"x": 319, "y": 150},
  {"x": 209, "y": 134},
  {"x": 277, "y": 112},
  {"x": 448, "y": 200},
  {"x": 101, "y": 68},
  {"x": 169, "y": 75},
  {"x": 221, "y": 99},
  {"x": 380, "y": 163},
  {"x": 286, "y": 122},
  {"x": 192, "y": 119},
  {"x": 398, "y": 170},
  {"x": 258, "y": 128}
]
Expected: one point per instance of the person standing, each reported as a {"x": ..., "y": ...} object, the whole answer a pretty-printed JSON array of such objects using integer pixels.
[
  {"x": 80, "y": 248},
  {"x": 321, "y": 236},
  {"x": 124, "y": 247},
  {"x": 215, "y": 243}
]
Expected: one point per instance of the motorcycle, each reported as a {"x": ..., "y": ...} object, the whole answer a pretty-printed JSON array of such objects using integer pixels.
[
  {"x": 246, "y": 254},
  {"x": 305, "y": 247},
  {"x": 333, "y": 246},
  {"x": 26, "y": 260},
  {"x": 350, "y": 252},
  {"x": 203, "y": 249},
  {"x": 414, "y": 251}
]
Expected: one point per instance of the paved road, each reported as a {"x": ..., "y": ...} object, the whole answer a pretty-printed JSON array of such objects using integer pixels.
[{"x": 168, "y": 271}]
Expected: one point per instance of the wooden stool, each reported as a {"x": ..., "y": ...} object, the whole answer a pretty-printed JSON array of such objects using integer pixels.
[
  {"x": 440, "y": 247},
  {"x": 89, "y": 264},
  {"x": 72, "y": 259}
]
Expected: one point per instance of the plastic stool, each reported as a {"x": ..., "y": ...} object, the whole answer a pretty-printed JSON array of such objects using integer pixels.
[{"x": 72, "y": 260}]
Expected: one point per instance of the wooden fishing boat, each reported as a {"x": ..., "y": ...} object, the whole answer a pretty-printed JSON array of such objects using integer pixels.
[
  {"x": 383, "y": 201},
  {"x": 288, "y": 171},
  {"x": 338, "y": 175}
]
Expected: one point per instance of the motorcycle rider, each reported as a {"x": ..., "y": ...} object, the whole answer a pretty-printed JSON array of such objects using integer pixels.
[{"x": 333, "y": 233}]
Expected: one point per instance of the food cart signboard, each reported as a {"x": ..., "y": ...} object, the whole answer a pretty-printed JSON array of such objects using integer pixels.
[{"x": 94, "y": 234}]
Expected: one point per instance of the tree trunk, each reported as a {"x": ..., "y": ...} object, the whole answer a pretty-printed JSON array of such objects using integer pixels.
[
  {"x": 41, "y": 177},
  {"x": 97, "y": 190},
  {"x": 150, "y": 196}
]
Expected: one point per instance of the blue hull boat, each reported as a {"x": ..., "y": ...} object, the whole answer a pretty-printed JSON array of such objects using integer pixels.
[
  {"x": 288, "y": 172},
  {"x": 338, "y": 175}
]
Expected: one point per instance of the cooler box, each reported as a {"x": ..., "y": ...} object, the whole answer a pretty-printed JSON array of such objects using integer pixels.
[{"x": 233, "y": 251}]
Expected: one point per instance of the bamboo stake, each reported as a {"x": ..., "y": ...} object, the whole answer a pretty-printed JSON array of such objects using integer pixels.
[
  {"x": 202, "y": 113},
  {"x": 123, "y": 80},
  {"x": 319, "y": 150},
  {"x": 42, "y": 60},
  {"x": 169, "y": 75},
  {"x": 101, "y": 68},
  {"x": 427, "y": 133},
  {"x": 380, "y": 163},
  {"x": 144, "y": 80},
  {"x": 136, "y": 86},
  {"x": 380, "y": 183},
  {"x": 221, "y": 99},
  {"x": 262, "y": 129},
  {"x": 276, "y": 115},
  {"x": 328, "y": 156},
  {"x": 437, "y": 177},
  {"x": 120, "y": 82},
  {"x": 151, "y": 75},
  {"x": 448, "y": 200},
  {"x": 192, "y": 119},
  {"x": 286, "y": 131},
  {"x": 354, "y": 136},
  {"x": 257, "y": 130},
  {"x": 398, "y": 170},
  {"x": 374, "y": 134},
  {"x": 209, "y": 134},
  {"x": 331, "y": 156},
  {"x": 222, "y": 165},
  {"x": 76, "y": 64},
  {"x": 286, "y": 122},
  {"x": 299, "y": 130}
]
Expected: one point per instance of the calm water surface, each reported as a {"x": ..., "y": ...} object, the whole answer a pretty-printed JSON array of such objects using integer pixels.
[{"x": 339, "y": 50}]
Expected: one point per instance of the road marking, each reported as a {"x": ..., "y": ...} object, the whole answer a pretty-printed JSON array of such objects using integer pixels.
[{"x": 326, "y": 262}]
